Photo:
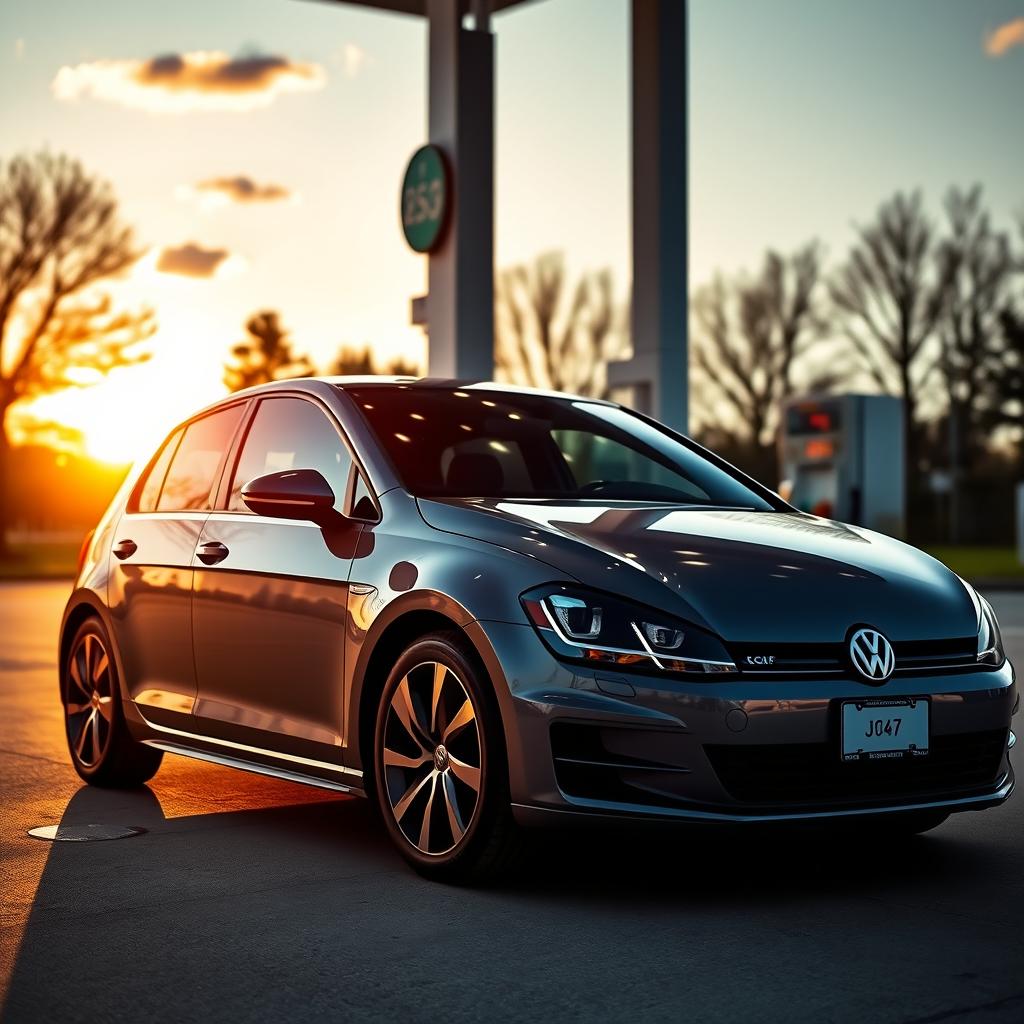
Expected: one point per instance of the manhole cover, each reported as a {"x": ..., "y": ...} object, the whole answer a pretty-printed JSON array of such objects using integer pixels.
[{"x": 83, "y": 833}]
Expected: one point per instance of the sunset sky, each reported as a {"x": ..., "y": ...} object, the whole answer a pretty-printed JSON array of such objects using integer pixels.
[{"x": 260, "y": 156}]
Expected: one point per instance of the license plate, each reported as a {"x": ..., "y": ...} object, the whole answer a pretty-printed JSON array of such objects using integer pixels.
[{"x": 875, "y": 730}]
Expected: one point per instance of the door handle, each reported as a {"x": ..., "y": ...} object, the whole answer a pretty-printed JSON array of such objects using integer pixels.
[
  {"x": 125, "y": 548},
  {"x": 212, "y": 552}
]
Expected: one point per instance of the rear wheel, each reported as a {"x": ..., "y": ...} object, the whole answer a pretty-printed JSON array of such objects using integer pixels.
[
  {"x": 102, "y": 750},
  {"x": 440, "y": 765}
]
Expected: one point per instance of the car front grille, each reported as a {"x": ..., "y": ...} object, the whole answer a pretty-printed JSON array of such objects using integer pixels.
[
  {"x": 920, "y": 657},
  {"x": 813, "y": 773}
]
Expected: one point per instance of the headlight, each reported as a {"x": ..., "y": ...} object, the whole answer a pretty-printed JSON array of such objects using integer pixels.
[
  {"x": 990, "y": 641},
  {"x": 600, "y": 629}
]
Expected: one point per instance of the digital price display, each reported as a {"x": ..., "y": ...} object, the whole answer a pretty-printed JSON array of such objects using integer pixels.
[{"x": 813, "y": 418}]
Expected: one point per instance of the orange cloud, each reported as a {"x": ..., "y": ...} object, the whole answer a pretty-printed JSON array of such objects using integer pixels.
[
  {"x": 1004, "y": 38},
  {"x": 242, "y": 189},
  {"x": 201, "y": 80},
  {"x": 190, "y": 260}
]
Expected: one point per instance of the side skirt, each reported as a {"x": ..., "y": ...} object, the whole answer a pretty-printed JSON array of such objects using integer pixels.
[{"x": 253, "y": 766}]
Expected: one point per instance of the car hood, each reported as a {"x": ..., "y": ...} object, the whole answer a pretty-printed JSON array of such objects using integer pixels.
[{"x": 748, "y": 576}]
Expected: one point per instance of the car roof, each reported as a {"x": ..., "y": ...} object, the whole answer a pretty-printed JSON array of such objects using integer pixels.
[
  {"x": 394, "y": 383},
  {"x": 442, "y": 384}
]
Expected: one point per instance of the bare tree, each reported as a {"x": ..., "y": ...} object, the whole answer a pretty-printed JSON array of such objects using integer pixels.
[
  {"x": 980, "y": 267},
  {"x": 551, "y": 336},
  {"x": 267, "y": 354},
  {"x": 360, "y": 362},
  {"x": 890, "y": 294},
  {"x": 749, "y": 334},
  {"x": 60, "y": 235},
  {"x": 1004, "y": 381}
]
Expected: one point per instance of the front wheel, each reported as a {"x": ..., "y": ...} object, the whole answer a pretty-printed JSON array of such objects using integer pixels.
[
  {"x": 440, "y": 764},
  {"x": 102, "y": 750}
]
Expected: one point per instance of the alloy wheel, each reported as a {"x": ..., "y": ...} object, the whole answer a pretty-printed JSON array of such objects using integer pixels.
[
  {"x": 90, "y": 700},
  {"x": 432, "y": 758}
]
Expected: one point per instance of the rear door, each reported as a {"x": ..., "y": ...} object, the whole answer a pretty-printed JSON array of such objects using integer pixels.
[
  {"x": 150, "y": 588},
  {"x": 271, "y": 594}
]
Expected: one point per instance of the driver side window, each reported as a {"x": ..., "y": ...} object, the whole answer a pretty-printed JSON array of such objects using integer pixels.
[{"x": 291, "y": 433}]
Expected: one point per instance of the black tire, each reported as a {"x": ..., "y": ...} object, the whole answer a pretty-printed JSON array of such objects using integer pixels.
[
  {"x": 101, "y": 747},
  {"x": 424, "y": 790}
]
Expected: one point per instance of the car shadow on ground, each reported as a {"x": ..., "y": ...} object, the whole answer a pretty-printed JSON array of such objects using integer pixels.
[
  {"x": 276, "y": 874},
  {"x": 758, "y": 863}
]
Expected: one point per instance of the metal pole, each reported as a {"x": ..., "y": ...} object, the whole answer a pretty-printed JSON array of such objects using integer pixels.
[
  {"x": 460, "y": 304},
  {"x": 658, "y": 371}
]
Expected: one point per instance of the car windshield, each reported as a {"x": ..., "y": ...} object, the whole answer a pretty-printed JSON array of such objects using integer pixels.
[{"x": 488, "y": 443}]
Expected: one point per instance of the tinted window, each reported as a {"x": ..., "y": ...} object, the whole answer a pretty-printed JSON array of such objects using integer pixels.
[
  {"x": 506, "y": 453},
  {"x": 595, "y": 458},
  {"x": 194, "y": 466},
  {"x": 291, "y": 433},
  {"x": 475, "y": 442},
  {"x": 150, "y": 492}
]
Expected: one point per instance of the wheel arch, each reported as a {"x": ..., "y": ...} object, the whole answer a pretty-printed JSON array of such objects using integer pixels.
[
  {"x": 402, "y": 623},
  {"x": 83, "y": 604}
]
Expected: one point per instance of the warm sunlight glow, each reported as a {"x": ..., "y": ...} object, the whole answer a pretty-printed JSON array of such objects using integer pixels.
[
  {"x": 106, "y": 440},
  {"x": 125, "y": 415},
  {"x": 118, "y": 422}
]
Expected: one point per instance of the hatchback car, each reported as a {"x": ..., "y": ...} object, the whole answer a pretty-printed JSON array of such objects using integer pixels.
[{"x": 488, "y": 607}]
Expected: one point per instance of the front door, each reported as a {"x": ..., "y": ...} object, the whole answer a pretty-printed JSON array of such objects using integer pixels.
[{"x": 270, "y": 598}]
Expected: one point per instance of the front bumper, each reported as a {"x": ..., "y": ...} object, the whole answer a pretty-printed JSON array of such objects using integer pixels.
[{"x": 612, "y": 744}]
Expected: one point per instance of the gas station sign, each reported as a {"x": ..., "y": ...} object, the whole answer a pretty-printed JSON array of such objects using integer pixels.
[{"x": 425, "y": 199}]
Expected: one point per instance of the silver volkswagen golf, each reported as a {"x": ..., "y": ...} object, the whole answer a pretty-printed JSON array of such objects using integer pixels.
[{"x": 487, "y": 607}]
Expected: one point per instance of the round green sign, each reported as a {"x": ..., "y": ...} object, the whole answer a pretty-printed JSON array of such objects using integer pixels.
[{"x": 424, "y": 204}]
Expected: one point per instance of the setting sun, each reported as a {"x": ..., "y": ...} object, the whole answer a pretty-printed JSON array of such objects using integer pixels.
[{"x": 124, "y": 416}]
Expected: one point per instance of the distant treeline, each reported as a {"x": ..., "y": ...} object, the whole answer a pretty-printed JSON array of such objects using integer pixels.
[{"x": 927, "y": 308}]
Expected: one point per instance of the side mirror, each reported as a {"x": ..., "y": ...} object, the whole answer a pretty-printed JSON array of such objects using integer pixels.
[{"x": 294, "y": 494}]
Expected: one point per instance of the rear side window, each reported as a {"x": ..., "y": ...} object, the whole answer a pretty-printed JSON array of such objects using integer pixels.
[
  {"x": 291, "y": 433},
  {"x": 150, "y": 492},
  {"x": 193, "y": 469}
]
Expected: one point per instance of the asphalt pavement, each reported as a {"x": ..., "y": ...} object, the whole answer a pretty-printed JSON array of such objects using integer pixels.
[{"x": 257, "y": 900}]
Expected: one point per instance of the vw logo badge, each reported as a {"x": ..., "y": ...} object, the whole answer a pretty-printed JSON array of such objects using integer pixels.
[{"x": 872, "y": 655}]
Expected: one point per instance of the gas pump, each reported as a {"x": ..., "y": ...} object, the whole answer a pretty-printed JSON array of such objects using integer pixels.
[{"x": 842, "y": 457}]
